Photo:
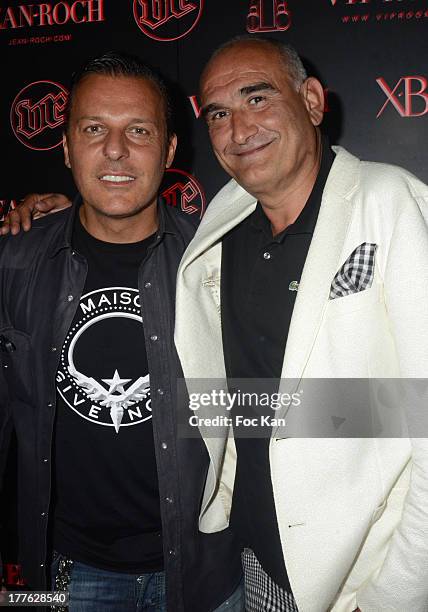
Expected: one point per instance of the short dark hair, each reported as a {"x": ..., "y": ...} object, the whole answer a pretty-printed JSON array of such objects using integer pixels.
[
  {"x": 117, "y": 64},
  {"x": 287, "y": 53}
]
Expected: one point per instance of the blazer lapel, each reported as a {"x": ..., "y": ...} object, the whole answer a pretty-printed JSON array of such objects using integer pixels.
[
  {"x": 198, "y": 278},
  {"x": 229, "y": 207},
  {"x": 322, "y": 262},
  {"x": 202, "y": 358}
]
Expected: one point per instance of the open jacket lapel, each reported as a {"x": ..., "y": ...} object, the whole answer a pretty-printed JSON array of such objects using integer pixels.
[
  {"x": 201, "y": 352},
  {"x": 198, "y": 280},
  {"x": 323, "y": 260},
  {"x": 198, "y": 334},
  {"x": 228, "y": 208}
]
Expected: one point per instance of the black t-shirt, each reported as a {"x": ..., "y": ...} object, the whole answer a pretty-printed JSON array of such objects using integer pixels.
[{"x": 106, "y": 495}]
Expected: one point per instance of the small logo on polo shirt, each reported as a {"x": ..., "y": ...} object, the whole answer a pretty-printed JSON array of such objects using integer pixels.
[{"x": 293, "y": 286}]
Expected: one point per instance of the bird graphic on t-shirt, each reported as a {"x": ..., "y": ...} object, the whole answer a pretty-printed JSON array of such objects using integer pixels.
[{"x": 115, "y": 397}]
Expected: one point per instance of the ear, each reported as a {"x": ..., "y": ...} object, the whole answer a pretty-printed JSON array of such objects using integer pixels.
[
  {"x": 172, "y": 145},
  {"x": 312, "y": 93},
  {"x": 65, "y": 147}
]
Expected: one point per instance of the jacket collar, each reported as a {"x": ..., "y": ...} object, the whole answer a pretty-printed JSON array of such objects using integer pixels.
[
  {"x": 63, "y": 239},
  {"x": 233, "y": 204}
]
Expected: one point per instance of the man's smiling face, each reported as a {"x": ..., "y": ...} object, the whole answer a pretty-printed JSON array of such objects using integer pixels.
[
  {"x": 116, "y": 144},
  {"x": 261, "y": 127}
]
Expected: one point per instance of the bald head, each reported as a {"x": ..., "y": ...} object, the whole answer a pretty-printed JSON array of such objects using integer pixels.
[{"x": 288, "y": 55}]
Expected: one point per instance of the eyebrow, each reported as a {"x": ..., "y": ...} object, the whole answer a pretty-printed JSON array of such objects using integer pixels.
[
  {"x": 99, "y": 118},
  {"x": 244, "y": 91},
  {"x": 210, "y": 108},
  {"x": 262, "y": 86}
]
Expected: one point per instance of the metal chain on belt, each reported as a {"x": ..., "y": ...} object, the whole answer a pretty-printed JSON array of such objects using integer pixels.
[{"x": 62, "y": 581}]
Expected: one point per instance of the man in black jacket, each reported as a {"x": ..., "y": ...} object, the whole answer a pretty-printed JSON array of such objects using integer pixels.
[{"x": 108, "y": 496}]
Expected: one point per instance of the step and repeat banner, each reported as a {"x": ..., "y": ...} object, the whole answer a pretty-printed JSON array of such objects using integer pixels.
[{"x": 370, "y": 55}]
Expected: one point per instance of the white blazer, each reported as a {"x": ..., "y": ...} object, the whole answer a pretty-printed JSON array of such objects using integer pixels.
[{"x": 352, "y": 513}]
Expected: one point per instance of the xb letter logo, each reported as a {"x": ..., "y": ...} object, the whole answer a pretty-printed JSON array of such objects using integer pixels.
[{"x": 411, "y": 90}]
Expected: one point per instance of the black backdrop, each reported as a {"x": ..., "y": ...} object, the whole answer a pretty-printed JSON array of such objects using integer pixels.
[{"x": 371, "y": 56}]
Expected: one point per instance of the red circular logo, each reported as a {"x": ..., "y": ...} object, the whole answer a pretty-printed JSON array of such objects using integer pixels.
[
  {"x": 167, "y": 20},
  {"x": 183, "y": 191},
  {"x": 37, "y": 115}
]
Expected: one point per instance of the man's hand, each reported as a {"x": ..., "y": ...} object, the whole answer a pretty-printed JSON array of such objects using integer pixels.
[{"x": 33, "y": 206}]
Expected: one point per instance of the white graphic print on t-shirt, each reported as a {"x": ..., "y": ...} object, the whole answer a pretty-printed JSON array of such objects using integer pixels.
[{"x": 103, "y": 340}]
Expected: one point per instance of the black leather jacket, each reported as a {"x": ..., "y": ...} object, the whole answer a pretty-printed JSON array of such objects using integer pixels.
[{"x": 41, "y": 281}]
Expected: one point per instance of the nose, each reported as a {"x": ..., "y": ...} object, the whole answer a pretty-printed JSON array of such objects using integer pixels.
[
  {"x": 115, "y": 145},
  {"x": 243, "y": 127}
]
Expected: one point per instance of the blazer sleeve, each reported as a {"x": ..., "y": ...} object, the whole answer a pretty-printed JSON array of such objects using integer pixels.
[{"x": 402, "y": 583}]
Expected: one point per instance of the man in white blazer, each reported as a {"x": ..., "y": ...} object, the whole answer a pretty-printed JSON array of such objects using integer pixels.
[{"x": 351, "y": 513}]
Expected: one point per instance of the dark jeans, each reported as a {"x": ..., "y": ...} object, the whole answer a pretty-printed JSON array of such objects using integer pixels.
[{"x": 96, "y": 590}]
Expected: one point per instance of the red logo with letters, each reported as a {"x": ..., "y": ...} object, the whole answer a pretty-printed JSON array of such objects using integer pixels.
[
  {"x": 167, "y": 20},
  {"x": 408, "y": 96},
  {"x": 366, "y": 11},
  {"x": 44, "y": 14},
  {"x": 181, "y": 190},
  {"x": 268, "y": 16},
  {"x": 37, "y": 115}
]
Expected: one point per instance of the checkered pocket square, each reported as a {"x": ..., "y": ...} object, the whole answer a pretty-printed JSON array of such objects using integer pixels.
[{"x": 357, "y": 272}]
